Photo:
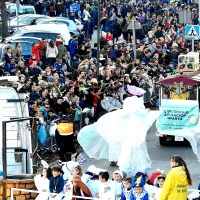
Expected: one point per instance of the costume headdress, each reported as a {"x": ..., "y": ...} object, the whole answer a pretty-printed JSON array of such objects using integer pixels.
[{"x": 138, "y": 182}]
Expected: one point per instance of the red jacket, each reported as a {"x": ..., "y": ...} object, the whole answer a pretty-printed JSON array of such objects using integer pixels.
[
  {"x": 35, "y": 50},
  {"x": 109, "y": 37}
]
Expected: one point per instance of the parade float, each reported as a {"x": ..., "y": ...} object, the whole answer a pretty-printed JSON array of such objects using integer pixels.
[{"x": 179, "y": 103}]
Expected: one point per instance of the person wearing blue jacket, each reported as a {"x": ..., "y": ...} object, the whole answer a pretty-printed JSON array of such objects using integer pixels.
[
  {"x": 95, "y": 16},
  {"x": 44, "y": 110},
  {"x": 73, "y": 48},
  {"x": 10, "y": 67},
  {"x": 89, "y": 28},
  {"x": 109, "y": 23},
  {"x": 56, "y": 183}
]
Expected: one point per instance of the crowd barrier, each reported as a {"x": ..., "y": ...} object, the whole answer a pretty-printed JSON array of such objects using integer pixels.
[
  {"x": 35, "y": 191},
  {"x": 66, "y": 195}
]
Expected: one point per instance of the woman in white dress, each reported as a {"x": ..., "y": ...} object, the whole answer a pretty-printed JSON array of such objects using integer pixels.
[{"x": 42, "y": 183}]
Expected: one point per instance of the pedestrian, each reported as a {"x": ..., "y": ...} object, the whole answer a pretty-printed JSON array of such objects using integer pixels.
[
  {"x": 42, "y": 183},
  {"x": 36, "y": 47},
  {"x": 177, "y": 180},
  {"x": 17, "y": 52},
  {"x": 51, "y": 53},
  {"x": 79, "y": 188},
  {"x": 160, "y": 182},
  {"x": 56, "y": 184},
  {"x": 89, "y": 28},
  {"x": 61, "y": 50},
  {"x": 115, "y": 30},
  {"x": 64, "y": 136},
  {"x": 73, "y": 48}
]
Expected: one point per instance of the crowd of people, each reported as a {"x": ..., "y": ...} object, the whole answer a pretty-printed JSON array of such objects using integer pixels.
[
  {"x": 69, "y": 179},
  {"x": 61, "y": 81}
]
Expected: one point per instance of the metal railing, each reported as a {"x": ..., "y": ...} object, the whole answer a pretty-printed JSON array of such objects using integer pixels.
[
  {"x": 35, "y": 191},
  {"x": 62, "y": 195}
]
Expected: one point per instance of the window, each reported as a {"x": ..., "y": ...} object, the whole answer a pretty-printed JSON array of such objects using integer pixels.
[
  {"x": 52, "y": 36},
  {"x": 29, "y": 34},
  {"x": 24, "y": 46},
  {"x": 41, "y": 35},
  {"x": 26, "y": 11},
  {"x": 12, "y": 13},
  {"x": 32, "y": 40},
  {"x": 30, "y": 46}
]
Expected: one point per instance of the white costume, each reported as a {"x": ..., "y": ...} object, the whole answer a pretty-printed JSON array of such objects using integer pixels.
[
  {"x": 123, "y": 130},
  {"x": 91, "y": 182},
  {"x": 104, "y": 193},
  {"x": 42, "y": 185}
]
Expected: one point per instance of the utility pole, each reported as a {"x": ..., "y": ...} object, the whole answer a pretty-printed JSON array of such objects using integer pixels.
[
  {"x": 134, "y": 39},
  {"x": 17, "y": 13},
  {"x": 98, "y": 38}
]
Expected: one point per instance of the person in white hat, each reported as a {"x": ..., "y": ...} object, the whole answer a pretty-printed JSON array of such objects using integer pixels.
[{"x": 117, "y": 185}]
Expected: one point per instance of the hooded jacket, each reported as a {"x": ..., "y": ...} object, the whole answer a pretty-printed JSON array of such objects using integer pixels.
[{"x": 175, "y": 185}]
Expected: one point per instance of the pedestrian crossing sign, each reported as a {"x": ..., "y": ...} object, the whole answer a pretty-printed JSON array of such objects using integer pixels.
[{"x": 192, "y": 32}]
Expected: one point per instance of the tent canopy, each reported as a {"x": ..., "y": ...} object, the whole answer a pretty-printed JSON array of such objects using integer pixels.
[{"x": 178, "y": 79}]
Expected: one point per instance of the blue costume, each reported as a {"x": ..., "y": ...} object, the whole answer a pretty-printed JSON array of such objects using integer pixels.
[
  {"x": 126, "y": 193},
  {"x": 56, "y": 184},
  {"x": 142, "y": 196},
  {"x": 139, "y": 182}
]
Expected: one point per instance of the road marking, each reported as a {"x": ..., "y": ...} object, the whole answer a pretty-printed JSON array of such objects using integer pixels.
[{"x": 191, "y": 164}]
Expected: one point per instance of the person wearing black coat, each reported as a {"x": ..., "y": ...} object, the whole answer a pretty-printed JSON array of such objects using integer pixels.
[
  {"x": 115, "y": 30},
  {"x": 159, "y": 33}
]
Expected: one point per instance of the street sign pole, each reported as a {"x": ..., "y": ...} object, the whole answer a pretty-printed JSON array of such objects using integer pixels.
[
  {"x": 134, "y": 38},
  {"x": 192, "y": 45}
]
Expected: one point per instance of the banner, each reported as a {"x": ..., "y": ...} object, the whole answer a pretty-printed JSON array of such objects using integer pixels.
[{"x": 178, "y": 114}]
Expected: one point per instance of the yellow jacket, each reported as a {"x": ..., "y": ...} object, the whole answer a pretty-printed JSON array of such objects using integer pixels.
[{"x": 175, "y": 185}]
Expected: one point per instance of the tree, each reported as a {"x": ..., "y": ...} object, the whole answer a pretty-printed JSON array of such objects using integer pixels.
[{"x": 4, "y": 18}]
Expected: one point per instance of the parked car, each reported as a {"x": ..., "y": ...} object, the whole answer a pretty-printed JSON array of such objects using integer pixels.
[
  {"x": 45, "y": 31},
  {"x": 26, "y": 48},
  {"x": 24, "y": 20},
  {"x": 73, "y": 28},
  {"x": 23, "y": 9},
  {"x": 23, "y": 38}
]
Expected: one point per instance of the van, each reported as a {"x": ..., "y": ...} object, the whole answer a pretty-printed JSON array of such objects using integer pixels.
[
  {"x": 18, "y": 134},
  {"x": 25, "y": 9},
  {"x": 48, "y": 31}
]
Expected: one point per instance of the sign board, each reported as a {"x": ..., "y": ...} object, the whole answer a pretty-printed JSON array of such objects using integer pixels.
[
  {"x": 192, "y": 32},
  {"x": 178, "y": 114}
]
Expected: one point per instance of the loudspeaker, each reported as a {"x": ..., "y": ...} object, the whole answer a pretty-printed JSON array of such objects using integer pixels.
[{"x": 189, "y": 62}]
